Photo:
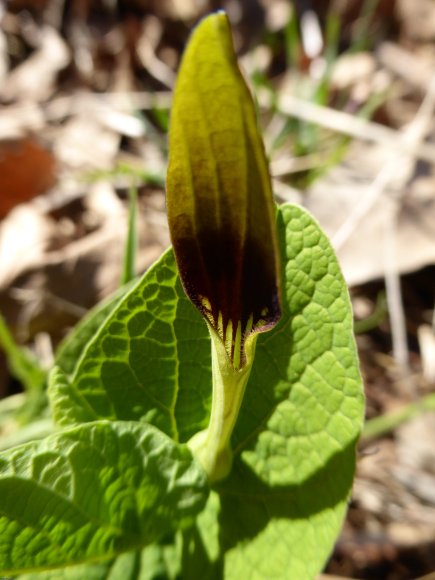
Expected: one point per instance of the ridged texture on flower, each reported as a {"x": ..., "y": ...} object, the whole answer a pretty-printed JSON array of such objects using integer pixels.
[{"x": 220, "y": 205}]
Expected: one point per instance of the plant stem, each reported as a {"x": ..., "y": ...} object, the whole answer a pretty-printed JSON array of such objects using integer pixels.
[
  {"x": 23, "y": 364},
  {"x": 212, "y": 447},
  {"x": 389, "y": 421},
  {"x": 129, "y": 262}
]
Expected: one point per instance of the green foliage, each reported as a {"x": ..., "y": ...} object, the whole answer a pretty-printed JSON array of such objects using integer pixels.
[
  {"x": 69, "y": 351},
  {"x": 25, "y": 367},
  {"x": 150, "y": 361},
  {"x": 294, "y": 441},
  {"x": 152, "y": 563},
  {"x": 93, "y": 492},
  {"x": 129, "y": 265},
  {"x": 283, "y": 504},
  {"x": 22, "y": 363},
  {"x": 118, "y": 494}
]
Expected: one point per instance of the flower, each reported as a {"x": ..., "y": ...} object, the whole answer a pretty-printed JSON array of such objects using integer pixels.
[{"x": 220, "y": 206}]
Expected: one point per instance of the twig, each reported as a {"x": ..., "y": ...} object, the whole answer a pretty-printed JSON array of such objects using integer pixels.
[
  {"x": 426, "y": 341},
  {"x": 394, "y": 294}
]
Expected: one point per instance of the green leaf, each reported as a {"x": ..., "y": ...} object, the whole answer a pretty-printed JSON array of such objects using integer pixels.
[
  {"x": 67, "y": 406},
  {"x": 294, "y": 443},
  {"x": 93, "y": 492},
  {"x": 150, "y": 361},
  {"x": 154, "y": 562},
  {"x": 219, "y": 198},
  {"x": 202, "y": 553},
  {"x": 71, "y": 348},
  {"x": 129, "y": 263},
  {"x": 16, "y": 434},
  {"x": 100, "y": 571},
  {"x": 23, "y": 364},
  {"x": 192, "y": 553}
]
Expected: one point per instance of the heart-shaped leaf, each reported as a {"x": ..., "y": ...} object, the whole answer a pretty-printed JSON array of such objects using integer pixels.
[
  {"x": 294, "y": 441},
  {"x": 93, "y": 492}
]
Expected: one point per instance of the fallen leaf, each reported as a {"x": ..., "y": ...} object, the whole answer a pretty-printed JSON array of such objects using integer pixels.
[
  {"x": 362, "y": 256},
  {"x": 34, "y": 79},
  {"x": 27, "y": 169}
]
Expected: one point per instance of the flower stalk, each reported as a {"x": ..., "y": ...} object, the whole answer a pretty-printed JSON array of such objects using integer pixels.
[
  {"x": 222, "y": 223},
  {"x": 212, "y": 446}
]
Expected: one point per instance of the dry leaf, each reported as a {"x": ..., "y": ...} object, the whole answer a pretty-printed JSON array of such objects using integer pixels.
[
  {"x": 84, "y": 144},
  {"x": 26, "y": 170},
  {"x": 418, "y": 18},
  {"x": 24, "y": 237},
  {"x": 362, "y": 257},
  {"x": 34, "y": 79}
]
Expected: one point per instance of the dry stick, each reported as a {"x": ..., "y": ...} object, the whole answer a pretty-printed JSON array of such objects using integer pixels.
[
  {"x": 385, "y": 177},
  {"x": 394, "y": 294}
]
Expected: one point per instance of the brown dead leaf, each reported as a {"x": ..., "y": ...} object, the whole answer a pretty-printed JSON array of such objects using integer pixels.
[
  {"x": 363, "y": 255},
  {"x": 415, "y": 68},
  {"x": 83, "y": 143},
  {"x": 24, "y": 237},
  {"x": 34, "y": 79},
  {"x": 4, "y": 57},
  {"x": 56, "y": 266},
  {"x": 27, "y": 169},
  {"x": 352, "y": 68},
  {"x": 418, "y": 18}
]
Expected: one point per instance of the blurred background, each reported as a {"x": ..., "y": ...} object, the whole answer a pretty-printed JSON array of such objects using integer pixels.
[{"x": 345, "y": 92}]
